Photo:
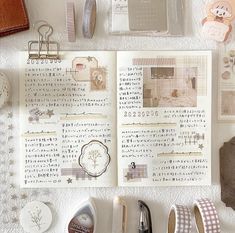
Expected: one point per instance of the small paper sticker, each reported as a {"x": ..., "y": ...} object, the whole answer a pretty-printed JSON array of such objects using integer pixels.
[
  {"x": 218, "y": 23},
  {"x": 94, "y": 158}
]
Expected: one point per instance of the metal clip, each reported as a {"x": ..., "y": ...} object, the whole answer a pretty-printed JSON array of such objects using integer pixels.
[{"x": 43, "y": 48}]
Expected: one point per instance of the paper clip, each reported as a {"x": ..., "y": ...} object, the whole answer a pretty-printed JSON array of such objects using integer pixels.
[{"x": 43, "y": 48}]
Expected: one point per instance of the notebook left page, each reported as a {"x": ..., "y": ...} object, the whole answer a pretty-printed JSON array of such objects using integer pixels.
[{"x": 67, "y": 120}]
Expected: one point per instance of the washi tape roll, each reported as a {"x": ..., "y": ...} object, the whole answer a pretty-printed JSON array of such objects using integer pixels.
[
  {"x": 89, "y": 18},
  {"x": 206, "y": 217},
  {"x": 4, "y": 89},
  {"x": 70, "y": 21},
  {"x": 179, "y": 220}
]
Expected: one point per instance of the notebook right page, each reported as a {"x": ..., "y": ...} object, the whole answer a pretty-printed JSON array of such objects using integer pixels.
[{"x": 164, "y": 118}]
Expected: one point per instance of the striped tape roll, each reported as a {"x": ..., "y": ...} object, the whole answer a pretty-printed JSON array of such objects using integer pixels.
[
  {"x": 70, "y": 20},
  {"x": 180, "y": 220},
  {"x": 89, "y": 19},
  {"x": 206, "y": 217}
]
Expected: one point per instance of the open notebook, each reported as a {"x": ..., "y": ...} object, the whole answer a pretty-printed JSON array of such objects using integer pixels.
[{"x": 102, "y": 119}]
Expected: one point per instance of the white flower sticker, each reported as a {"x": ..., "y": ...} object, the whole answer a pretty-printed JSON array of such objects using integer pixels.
[{"x": 94, "y": 158}]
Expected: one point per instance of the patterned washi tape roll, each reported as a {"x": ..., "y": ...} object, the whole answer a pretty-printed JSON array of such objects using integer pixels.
[
  {"x": 179, "y": 220},
  {"x": 89, "y": 18},
  {"x": 206, "y": 217},
  {"x": 71, "y": 22}
]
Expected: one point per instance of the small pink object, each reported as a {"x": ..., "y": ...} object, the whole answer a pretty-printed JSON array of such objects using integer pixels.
[{"x": 80, "y": 66}]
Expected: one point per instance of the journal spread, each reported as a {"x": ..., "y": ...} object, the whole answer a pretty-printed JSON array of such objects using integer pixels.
[{"x": 102, "y": 119}]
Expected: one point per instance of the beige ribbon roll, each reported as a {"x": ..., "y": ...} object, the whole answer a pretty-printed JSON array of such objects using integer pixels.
[
  {"x": 206, "y": 217},
  {"x": 89, "y": 19},
  {"x": 180, "y": 220},
  {"x": 70, "y": 21}
]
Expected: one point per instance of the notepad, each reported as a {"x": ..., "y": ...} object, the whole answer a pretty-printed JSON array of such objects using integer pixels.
[
  {"x": 147, "y": 15},
  {"x": 13, "y": 15},
  {"x": 106, "y": 118}
]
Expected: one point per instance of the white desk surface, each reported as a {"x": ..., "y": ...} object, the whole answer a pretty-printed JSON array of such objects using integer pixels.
[{"x": 159, "y": 198}]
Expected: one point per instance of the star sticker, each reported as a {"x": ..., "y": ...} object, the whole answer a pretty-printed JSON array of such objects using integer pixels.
[
  {"x": 89, "y": 59},
  {"x": 14, "y": 209},
  {"x": 14, "y": 220},
  {"x": 50, "y": 113},
  {"x": 69, "y": 180},
  {"x": 4, "y": 182},
  {"x": 14, "y": 197},
  {"x": 10, "y": 127},
  {"x": 4, "y": 201},
  {"x": 3, "y": 143},
  {"x": 2, "y": 162},
  {"x": 10, "y": 115},
  {"x": 11, "y": 162},
  {"x": 5, "y": 221},
  {"x": 23, "y": 196},
  {"x": 46, "y": 192},
  {"x": 11, "y": 150},
  {"x": 201, "y": 146},
  {"x": 129, "y": 176},
  {"x": 12, "y": 186},
  {"x": 3, "y": 173},
  {"x": 35, "y": 193},
  {"x": 4, "y": 191},
  {"x": 5, "y": 211},
  {"x": 11, "y": 173}
]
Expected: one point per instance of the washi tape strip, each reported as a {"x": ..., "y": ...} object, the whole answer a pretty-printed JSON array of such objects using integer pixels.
[
  {"x": 180, "y": 220},
  {"x": 206, "y": 217},
  {"x": 71, "y": 22},
  {"x": 89, "y": 18},
  {"x": 4, "y": 90}
]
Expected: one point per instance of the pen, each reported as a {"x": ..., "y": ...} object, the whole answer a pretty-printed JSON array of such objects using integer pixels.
[{"x": 145, "y": 223}]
